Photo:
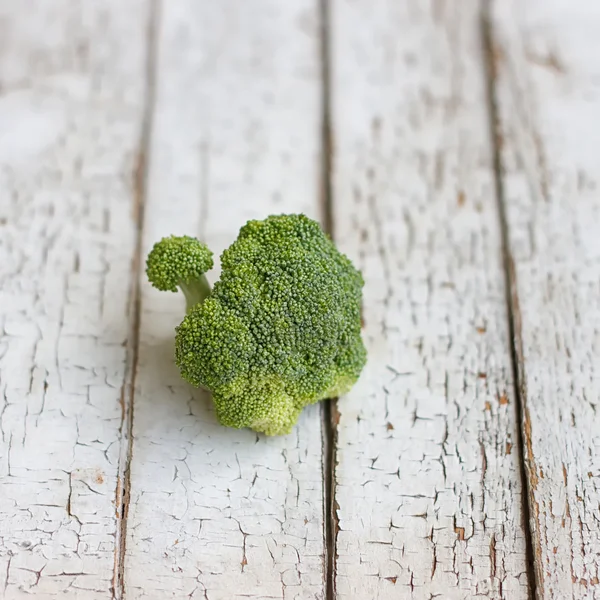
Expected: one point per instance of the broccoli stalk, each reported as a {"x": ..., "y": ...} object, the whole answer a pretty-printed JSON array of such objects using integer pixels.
[
  {"x": 279, "y": 331},
  {"x": 180, "y": 262},
  {"x": 195, "y": 291}
]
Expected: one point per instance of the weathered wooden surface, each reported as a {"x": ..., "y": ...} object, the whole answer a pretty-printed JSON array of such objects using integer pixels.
[
  {"x": 121, "y": 122},
  {"x": 72, "y": 94},
  {"x": 547, "y": 77},
  {"x": 219, "y": 513},
  {"x": 427, "y": 480}
]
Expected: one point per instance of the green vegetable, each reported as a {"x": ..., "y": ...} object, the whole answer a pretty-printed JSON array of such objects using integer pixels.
[
  {"x": 279, "y": 331},
  {"x": 181, "y": 262}
]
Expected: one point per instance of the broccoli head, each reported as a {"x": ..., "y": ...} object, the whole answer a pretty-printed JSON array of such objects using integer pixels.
[
  {"x": 279, "y": 331},
  {"x": 180, "y": 262}
]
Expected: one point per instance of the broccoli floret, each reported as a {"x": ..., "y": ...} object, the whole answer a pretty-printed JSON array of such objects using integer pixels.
[
  {"x": 180, "y": 262},
  {"x": 279, "y": 331}
]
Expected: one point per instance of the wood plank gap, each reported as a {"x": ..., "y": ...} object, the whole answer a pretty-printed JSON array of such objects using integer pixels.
[
  {"x": 329, "y": 407},
  {"x": 328, "y": 412},
  {"x": 123, "y": 492},
  {"x": 512, "y": 300}
]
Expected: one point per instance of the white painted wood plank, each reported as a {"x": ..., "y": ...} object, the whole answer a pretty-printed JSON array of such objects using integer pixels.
[
  {"x": 547, "y": 85},
  {"x": 72, "y": 87},
  {"x": 220, "y": 513},
  {"x": 428, "y": 486}
]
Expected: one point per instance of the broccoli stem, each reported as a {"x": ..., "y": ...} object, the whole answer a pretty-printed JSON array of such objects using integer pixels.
[{"x": 195, "y": 291}]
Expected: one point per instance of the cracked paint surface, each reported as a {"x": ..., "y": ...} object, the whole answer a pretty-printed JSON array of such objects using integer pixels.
[
  {"x": 218, "y": 513},
  {"x": 546, "y": 82},
  {"x": 428, "y": 487},
  {"x": 70, "y": 103},
  {"x": 428, "y": 495}
]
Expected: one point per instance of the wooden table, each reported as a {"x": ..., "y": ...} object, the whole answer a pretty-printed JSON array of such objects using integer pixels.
[{"x": 453, "y": 151}]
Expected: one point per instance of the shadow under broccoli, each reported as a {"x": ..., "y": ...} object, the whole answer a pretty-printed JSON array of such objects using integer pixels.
[{"x": 279, "y": 330}]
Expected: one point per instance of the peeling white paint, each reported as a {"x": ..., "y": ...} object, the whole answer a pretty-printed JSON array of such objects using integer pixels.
[
  {"x": 220, "y": 513},
  {"x": 547, "y": 90},
  {"x": 428, "y": 484},
  {"x": 66, "y": 246}
]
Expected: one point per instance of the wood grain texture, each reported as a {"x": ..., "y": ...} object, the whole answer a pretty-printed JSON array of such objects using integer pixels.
[
  {"x": 220, "y": 513},
  {"x": 72, "y": 92},
  {"x": 547, "y": 79},
  {"x": 427, "y": 479}
]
